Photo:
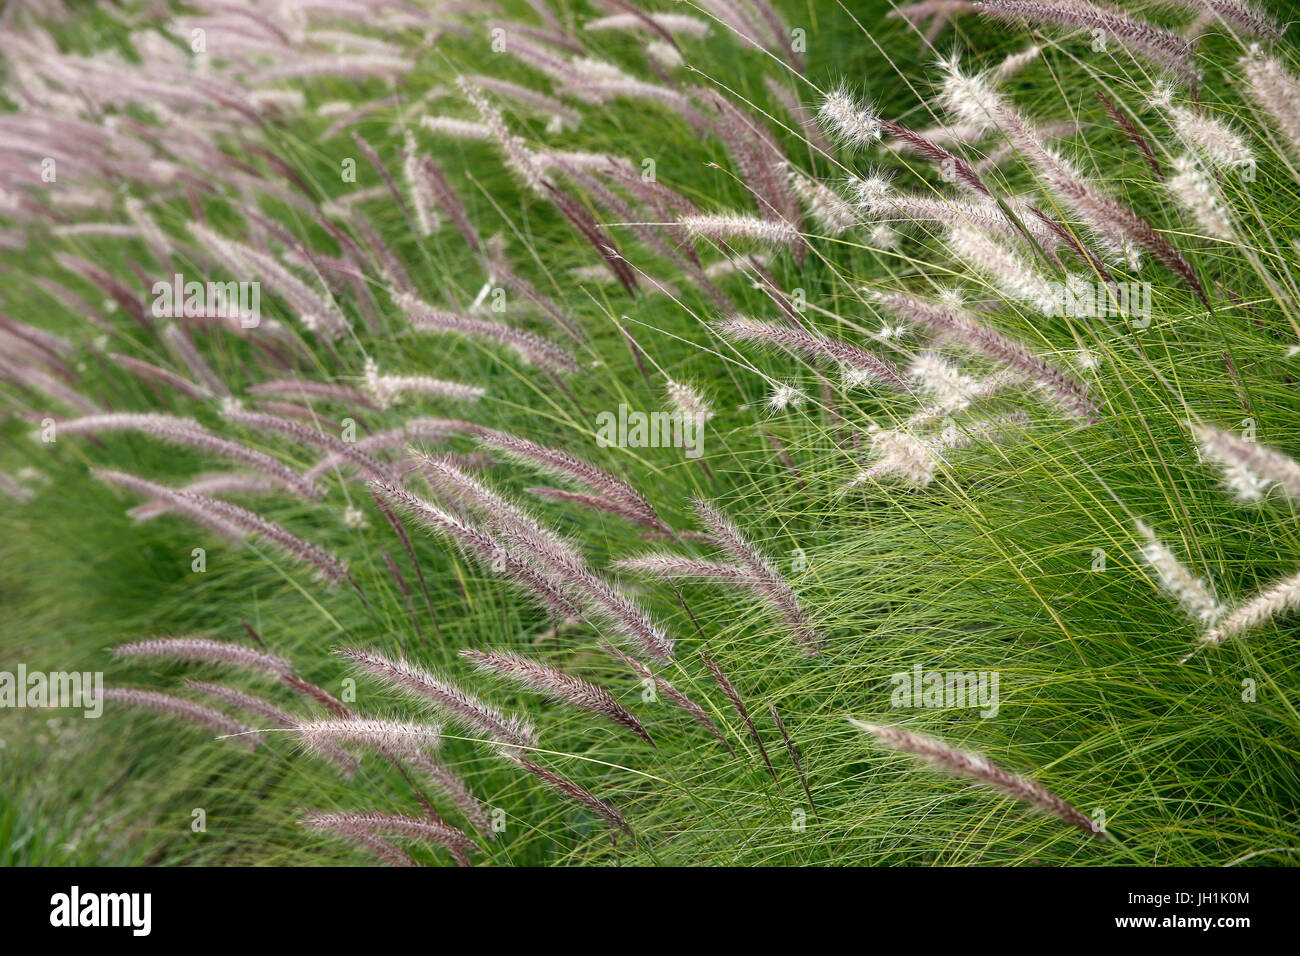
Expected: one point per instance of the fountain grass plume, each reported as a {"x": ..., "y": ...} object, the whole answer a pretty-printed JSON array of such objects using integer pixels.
[
  {"x": 185, "y": 709},
  {"x": 451, "y": 701},
  {"x": 982, "y": 771},
  {"x": 559, "y": 686}
]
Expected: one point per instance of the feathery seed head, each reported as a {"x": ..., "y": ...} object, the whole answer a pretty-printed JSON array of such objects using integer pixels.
[
  {"x": 688, "y": 401},
  {"x": 1195, "y": 191},
  {"x": 1194, "y": 595},
  {"x": 981, "y": 770},
  {"x": 849, "y": 120},
  {"x": 871, "y": 192},
  {"x": 386, "y": 736},
  {"x": 784, "y": 396},
  {"x": 206, "y": 649},
  {"x": 970, "y": 97}
]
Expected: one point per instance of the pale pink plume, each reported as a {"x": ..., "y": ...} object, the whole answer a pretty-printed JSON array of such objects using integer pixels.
[
  {"x": 362, "y": 837},
  {"x": 768, "y": 582},
  {"x": 984, "y": 214},
  {"x": 389, "y": 389},
  {"x": 331, "y": 569},
  {"x": 572, "y": 468},
  {"x": 529, "y": 97},
  {"x": 179, "y": 339},
  {"x": 672, "y": 22},
  {"x": 220, "y": 483},
  {"x": 186, "y": 709},
  {"x": 1272, "y": 602},
  {"x": 187, "y": 648},
  {"x": 415, "y": 430},
  {"x": 451, "y": 786},
  {"x": 596, "y": 235},
  {"x": 317, "y": 311},
  {"x": 950, "y": 388},
  {"x": 955, "y": 324},
  {"x": 419, "y": 188},
  {"x": 595, "y": 596},
  {"x": 1237, "y": 14},
  {"x": 674, "y": 696},
  {"x": 815, "y": 346},
  {"x": 455, "y": 704},
  {"x": 619, "y": 509},
  {"x": 381, "y": 170},
  {"x": 273, "y": 713},
  {"x": 499, "y": 513},
  {"x": 674, "y": 566},
  {"x": 724, "y": 227},
  {"x": 982, "y": 771},
  {"x": 358, "y": 66},
  {"x": 174, "y": 502},
  {"x": 321, "y": 391},
  {"x": 450, "y": 203},
  {"x": 519, "y": 158},
  {"x": 1276, "y": 89},
  {"x": 391, "y": 824},
  {"x": 737, "y": 18},
  {"x": 483, "y": 547},
  {"x": 1140, "y": 38},
  {"x": 1195, "y": 595},
  {"x": 938, "y": 12},
  {"x": 186, "y": 431},
  {"x": 1249, "y": 468},
  {"x": 602, "y": 83},
  {"x": 38, "y": 380},
  {"x": 533, "y": 349},
  {"x": 385, "y": 736},
  {"x": 232, "y": 522},
  {"x": 576, "y": 793},
  {"x": 148, "y": 371},
  {"x": 309, "y": 436},
  {"x": 559, "y": 686},
  {"x": 53, "y": 345}
]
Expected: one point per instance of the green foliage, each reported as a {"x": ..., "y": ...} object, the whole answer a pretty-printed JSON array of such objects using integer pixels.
[{"x": 989, "y": 568}]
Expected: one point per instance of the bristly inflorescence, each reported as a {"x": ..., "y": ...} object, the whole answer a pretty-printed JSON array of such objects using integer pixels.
[
  {"x": 558, "y": 685},
  {"x": 451, "y": 701},
  {"x": 849, "y": 120},
  {"x": 983, "y": 771}
]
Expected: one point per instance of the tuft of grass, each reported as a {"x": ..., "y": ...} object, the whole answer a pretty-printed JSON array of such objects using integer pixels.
[{"x": 1017, "y": 554}]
